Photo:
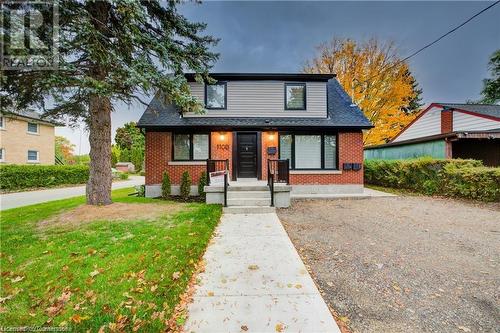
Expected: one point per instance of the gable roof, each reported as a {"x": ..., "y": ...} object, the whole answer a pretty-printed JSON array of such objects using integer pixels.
[
  {"x": 30, "y": 115},
  {"x": 490, "y": 110},
  {"x": 341, "y": 113}
]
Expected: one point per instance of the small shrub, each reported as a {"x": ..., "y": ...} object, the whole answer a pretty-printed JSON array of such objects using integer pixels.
[
  {"x": 185, "y": 185},
  {"x": 202, "y": 183},
  {"x": 18, "y": 177},
  {"x": 123, "y": 176},
  {"x": 166, "y": 187},
  {"x": 140, "y": 190}
]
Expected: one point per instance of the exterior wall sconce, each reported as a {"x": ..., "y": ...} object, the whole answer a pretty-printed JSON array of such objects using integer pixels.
[
  {"x": 222, "y": 136},
  {"x": 271, "y": 136}
]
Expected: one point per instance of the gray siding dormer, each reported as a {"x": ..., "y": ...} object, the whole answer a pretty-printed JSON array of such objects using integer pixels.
[{"x": 263, "y": 99}]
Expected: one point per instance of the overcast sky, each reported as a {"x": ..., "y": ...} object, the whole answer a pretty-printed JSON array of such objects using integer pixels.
[{"x": 280, "y": 36}]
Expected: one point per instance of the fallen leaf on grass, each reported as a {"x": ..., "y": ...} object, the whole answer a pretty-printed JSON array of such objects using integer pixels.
[
  {"x": 153, "y": 288},
  {"x": 253, "y": 267},
  {"x": 76, "y": 318},
  {"x": 94, "y": 273},
  {"x": 176, "y": 275},
  {"x": 17, "y": 279}
]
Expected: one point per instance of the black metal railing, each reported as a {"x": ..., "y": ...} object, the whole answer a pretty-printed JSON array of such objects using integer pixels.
[
  {"x": 278, "y": 171},
  {"x": 219, "y": 166}
]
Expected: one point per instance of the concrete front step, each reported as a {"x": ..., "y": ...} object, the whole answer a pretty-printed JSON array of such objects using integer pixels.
[
  {"x": 248, "y": 194},
  {"x": 248, "y": 209},
  {"x": 249, "y": 202},
  {"x": 232, "y": 188}
]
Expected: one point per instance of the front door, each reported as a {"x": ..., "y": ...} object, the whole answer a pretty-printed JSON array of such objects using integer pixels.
[{"x": 247, "y": 155}]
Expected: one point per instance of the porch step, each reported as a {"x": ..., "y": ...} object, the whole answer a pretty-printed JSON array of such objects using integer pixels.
[
  {"x": 248, "y": 209},
  {"x": 247, "y": 188},
  {"x": 249, "y": 202},
  {"x": 248, "y": 194}
]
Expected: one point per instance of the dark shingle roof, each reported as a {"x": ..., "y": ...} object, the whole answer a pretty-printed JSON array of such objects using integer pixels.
[
  {"x": 341, "y": 113},
  {"x": 490, "y": 110}
]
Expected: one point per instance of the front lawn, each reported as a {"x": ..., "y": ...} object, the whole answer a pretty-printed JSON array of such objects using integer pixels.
[{"x": 62, "y": 266}]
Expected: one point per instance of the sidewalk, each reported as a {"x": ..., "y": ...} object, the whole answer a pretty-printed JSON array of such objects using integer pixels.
[
  {"x": 19, "y": 199},
  {"x": 255, "y": 281}
]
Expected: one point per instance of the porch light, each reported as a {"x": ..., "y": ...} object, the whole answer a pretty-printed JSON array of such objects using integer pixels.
[
  {"x": 222, "y": 136},
  {"x": 271, "y": 136}
]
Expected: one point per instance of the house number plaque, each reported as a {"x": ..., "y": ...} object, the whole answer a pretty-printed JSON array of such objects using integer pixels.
[{"x": 222, "y": 146}]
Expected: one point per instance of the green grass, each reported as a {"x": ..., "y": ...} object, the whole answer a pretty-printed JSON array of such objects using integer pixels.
[
  {"x": 397, "y": 191},
  {"x": 135, "y": 261}
]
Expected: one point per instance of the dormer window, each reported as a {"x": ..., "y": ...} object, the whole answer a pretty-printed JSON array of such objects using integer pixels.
[
  {"x": 295, "y": 96},
  {"x": 215, "y": 96}
]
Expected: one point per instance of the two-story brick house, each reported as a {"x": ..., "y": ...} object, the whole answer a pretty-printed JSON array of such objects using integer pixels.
[
  {"x": 307, "y": 119},
  {"x": 26, "y": 138}
]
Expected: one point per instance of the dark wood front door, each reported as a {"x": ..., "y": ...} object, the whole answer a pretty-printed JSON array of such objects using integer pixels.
[{"x": 247, "y": 155}]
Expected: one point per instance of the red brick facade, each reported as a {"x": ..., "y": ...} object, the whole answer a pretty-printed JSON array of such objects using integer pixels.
[
  {"x": 446, "y": 121},
  {"x": 159, "y": 145}
]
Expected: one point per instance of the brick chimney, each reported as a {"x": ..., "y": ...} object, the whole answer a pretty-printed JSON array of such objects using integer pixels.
[{"x": 446, "y": 120}]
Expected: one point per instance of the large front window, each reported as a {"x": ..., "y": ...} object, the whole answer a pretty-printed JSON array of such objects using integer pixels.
[
  {"x": 215, "y": 96},
  {"x": 191, "y": 147},
  {"x": 309, "y": 151}
]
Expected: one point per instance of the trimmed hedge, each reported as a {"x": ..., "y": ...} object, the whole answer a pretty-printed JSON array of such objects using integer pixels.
[
  {"x": 456, "y": 178},
  {"x": 18, "y": 177}
]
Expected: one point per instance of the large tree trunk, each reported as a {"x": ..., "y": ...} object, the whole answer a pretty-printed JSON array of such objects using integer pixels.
[{"x": 99, "y": 184}]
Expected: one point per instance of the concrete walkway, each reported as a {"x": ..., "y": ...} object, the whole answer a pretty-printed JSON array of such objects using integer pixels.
[
  {"x": 19, "y": 199},
  {"x": 255, "y": 281},
  {"x": 367, "y": 193}
]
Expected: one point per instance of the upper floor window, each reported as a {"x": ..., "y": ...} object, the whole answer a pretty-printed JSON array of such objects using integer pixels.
[
  {"x": 2, "y": 125},
  {"x": 191, "y": 147},
  {"x": 33, "y": 128},
  {"x": 295, "y": 96},
  {"x": 215, "y": 95},
  {"x": 32, "y": 156}
]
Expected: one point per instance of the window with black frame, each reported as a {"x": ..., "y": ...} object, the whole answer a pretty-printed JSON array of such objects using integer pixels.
[
  {"x": 309, "y": 151},
  {"x": 191, "y": 147},
  {"x": 295, "y": 96},
  {"x": 215, "y": 95}
]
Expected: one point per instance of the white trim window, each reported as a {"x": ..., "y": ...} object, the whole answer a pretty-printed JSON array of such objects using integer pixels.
[
  {"x": 2, "y": 122},
  {"x": 2, "y": 154},
  {"x": 33, "y": 156},
  {"x": 33, "y": 128}
]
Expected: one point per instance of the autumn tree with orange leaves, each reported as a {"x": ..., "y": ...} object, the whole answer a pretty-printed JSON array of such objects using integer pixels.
[{"x": 381, "y": 84}]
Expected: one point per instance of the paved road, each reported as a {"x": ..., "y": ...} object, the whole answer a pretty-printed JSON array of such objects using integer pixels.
[
  {"x": 19, "y": 199},
  {"x": 255, "y": 281}
]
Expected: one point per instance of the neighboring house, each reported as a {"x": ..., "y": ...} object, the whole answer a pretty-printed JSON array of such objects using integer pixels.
[
  {"x": 445, "y": 130},
  {"x": 250, "y": 118},
  {"x": 26, "y": 138}
]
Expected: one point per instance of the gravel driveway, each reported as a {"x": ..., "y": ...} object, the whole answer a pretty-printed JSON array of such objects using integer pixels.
[{"x": 403, "y": 264}]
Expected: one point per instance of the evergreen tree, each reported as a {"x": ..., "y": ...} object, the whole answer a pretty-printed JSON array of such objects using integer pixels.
[{"x": 110, "y": 51}]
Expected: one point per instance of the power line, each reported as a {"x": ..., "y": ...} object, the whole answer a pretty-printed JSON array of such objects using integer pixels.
[{"x": 433, "y": 42}]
